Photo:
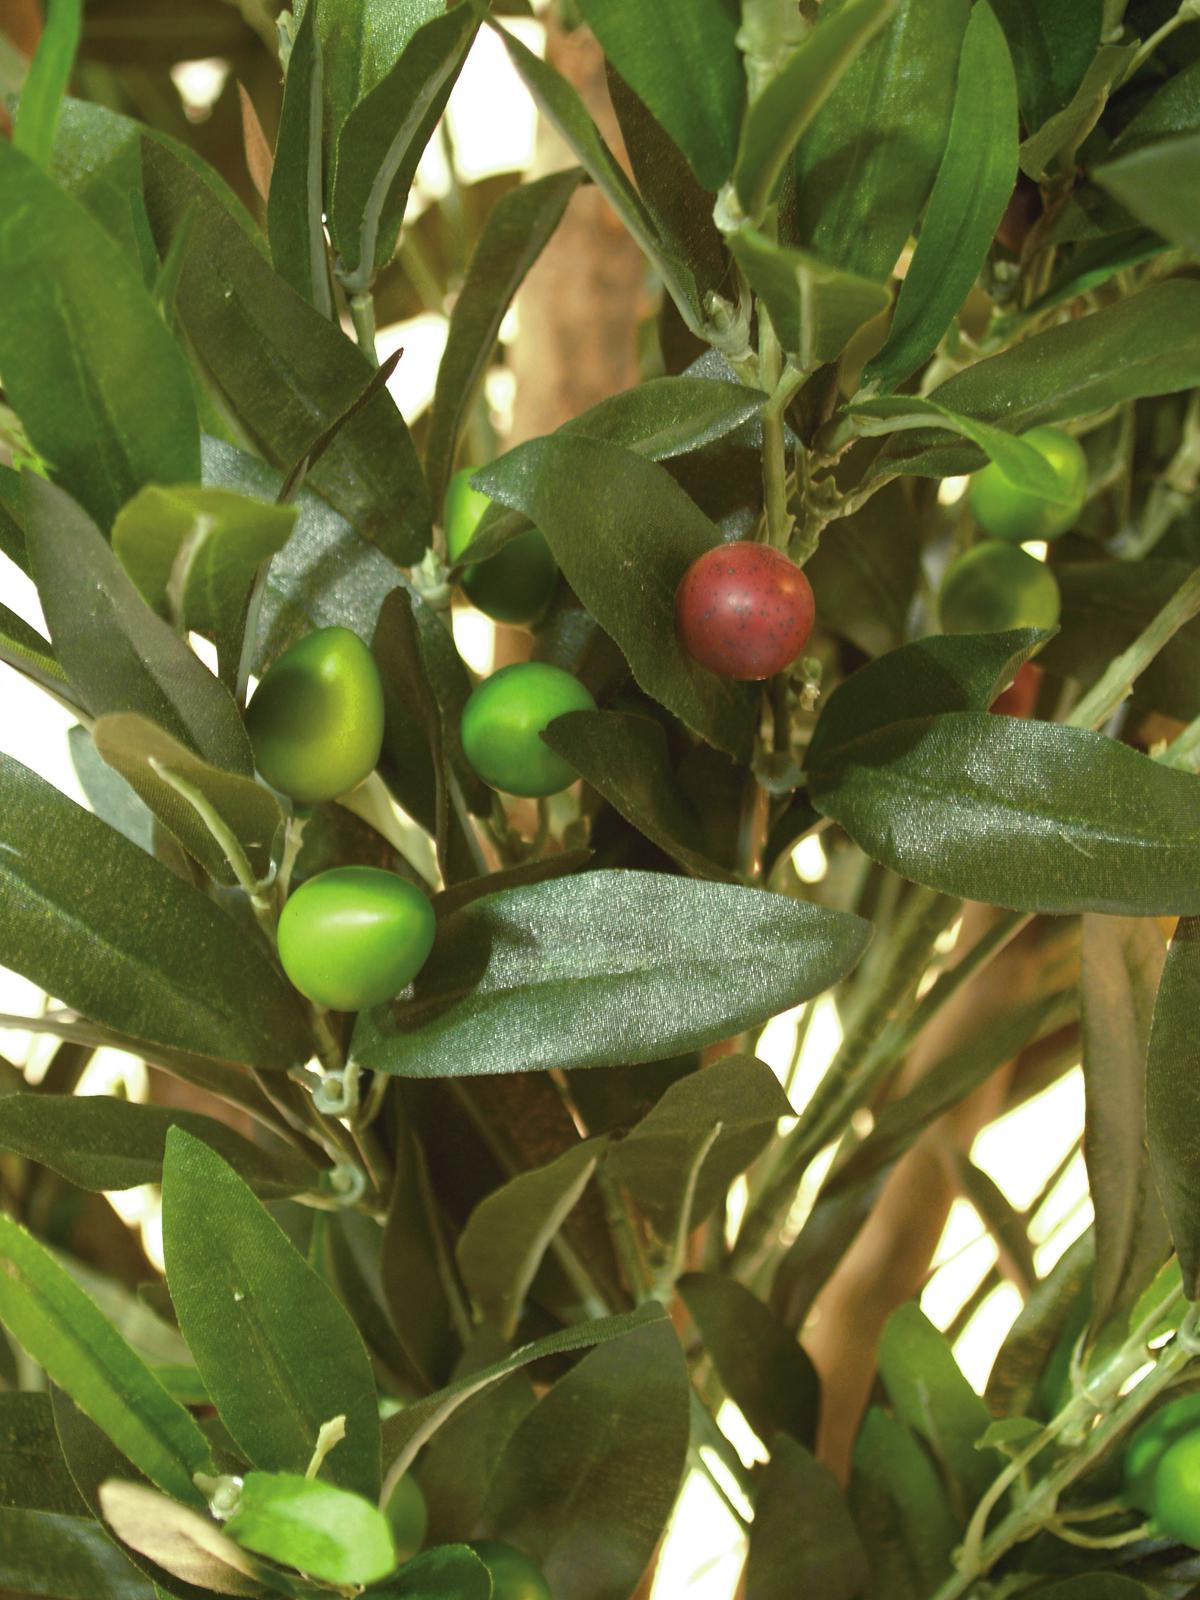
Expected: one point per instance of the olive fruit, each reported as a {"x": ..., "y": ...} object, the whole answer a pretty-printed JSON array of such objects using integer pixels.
[
  {"x": 743, "y": 610},
  {"x": 1175, "y": 1503},
  {"x": 353, "y": 937},
  {"x": 514, "y": 1575},
  {"x": 316, "y": 718},
  {"x": 997, "y": 586},
  {"x": 1007, "y": 511},
  {"x": 502, "y": 723},
  {"x": 1149, "y": 1443},
  {"x": 1019, "y": 699},
  {"x": 407, "y": 1516},
  {"x": 517, "y": 583}
]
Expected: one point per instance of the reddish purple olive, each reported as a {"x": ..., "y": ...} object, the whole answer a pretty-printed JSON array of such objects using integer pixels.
[{"x": 744, "y": 610}]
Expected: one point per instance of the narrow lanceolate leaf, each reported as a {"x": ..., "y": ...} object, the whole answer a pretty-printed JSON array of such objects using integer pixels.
[
  {"x": 1020, "y": 463},
  {"x": 184, "y": 1543},
  {"x": 974, "y": 183},
  {"x": 361, "y": 41},
  {"x": 686, "y": 67},
  {"x": 803, "y": 1540},
  {"x": 1052, "y": 48},
  {"x": 515, "y": 234},
  {"x": 65, "y": 1332},
  {"x": 508, "y": 1233},
  {"x": 900, "y": 1510},
  {"x": 118, "y": 655},
  {"x": 329, "y": 1533},
  {"x": 381, "y": 142},
  {"x": 296, "y": 202},
  {"x": 619, "y": 966},
  {"x": 790, "y": 101},
  {"x": 450, "y": 1572},
  {"x": 98, "y": 1143},
  {"x": 816, "y": 309},
  {"x": 594, "y": 502},
  {"x": 277, "y": 1351},
  {"x": 173, "y": 782},
  {"x": 1051, "y": 150},
  {"x": 1154, "y": 182},
  {"x": 46, "y": 81},
  {"x": 865, "y": 167},
  {"x": 283, "y": 369},
  {"x": 589, "y": 1478},
  {"x": 1122, "y": 966},
  {"x": 117, "y": 936},
  {"x": 89, "y": 366},
  {"x": 1030, "y": 815},
  {"x": 24, "y": 648},
  {"x": 69, "y": 1557},
  {"x": 1173, "y": 1097}
]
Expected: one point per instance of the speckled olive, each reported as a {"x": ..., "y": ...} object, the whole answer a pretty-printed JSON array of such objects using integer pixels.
[
  {"x": 517, "y": 583},
  {"x": 316, "y": 719},
  {"x": 744, "y": 610},
  {"x": 407, "y": 1516},
  {"x": 353, "y": 937},
  {"x": 1149, "y": 1444},
  {"x": 996, "y": 586},
  {"x": 502, "y": 724},
  {"x": 514, "y": 1575},
  {"x": 1009, "y": 512}
]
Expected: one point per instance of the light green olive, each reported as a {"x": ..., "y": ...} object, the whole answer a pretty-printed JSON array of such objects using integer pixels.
[
  {"x": 1006, "y": 511},
  {"x": 518, "y": 582},
  {"x": 503, "y": 721},
  {"x": 514, "y": 1575},
  {"x": 354, "y": 937},
  {"x": 997, "y": 586},
  {"x": 407, "y": 1516}
]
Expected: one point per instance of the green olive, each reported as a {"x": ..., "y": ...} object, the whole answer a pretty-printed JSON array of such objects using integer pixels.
[
  {"x": 407, "y": 1516},
  {"x": 997, "y": 586},
  {"x": 502, "y": 724},
  {"x": 517, "y": 583},
  {"x": 1175, "y": 1505},
  {"x": 1009, "y": 512},
  {"x": 1149, "y": 1443},
  {"x": 353, "y": 937},
  {"x": 514, "y": 1575},
  {"x": 316, "y": 719}
]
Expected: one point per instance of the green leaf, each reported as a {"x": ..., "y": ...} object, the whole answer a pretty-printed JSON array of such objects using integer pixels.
[
  {"x": 361, "y": 40},
  {"x": 194, "y": 553},
  {"x": 185, "y": 1544},
  {"x": 62, "y": 1329},
  {"x": 865, "y": 571},
  {"x": 803, "y": 1540},
  {"x": 589, "y": 1479},
  {"x": 1020, "y": 463},
  {"x": 516, "y": 232},
  {"x": 451, "y": 1572},
  {"x": 626, "y": 759},
  {"x": 1052, "y": 48},
  {"x": 276, "y": 1349},
  {"x": 97, "y": 1142},
  {"x": 1097, "y": 1586},
  {"x": 867, "y": 164},
  {"x": 24, "y": 648},
  {"x": 33, "y": 1474},
  {"x": 412, "y": 1263},
  {"x": 1055, "y": 1312},
  {"x": 1029, "y": 815},
  {"x": 1051, "y": 150},
  {"x": 67, "y": 1557},
  {"x": 787, "y": 106},
  {"x": 655, "y": 1159},
  {"x": 117, "y": 936},
  {"x": 1122, "y": 965},
  {"x": 381, "y": 141},
  {"x": 506, "y": 1236},
  {"x": 929, "y": 1394},
  {"x": 1175, "y": 108},
  {"x": 974, "y": 184},
  {"x": 760, "y": 1363},
  {"x": 686, "y": 68},
  {"x": 108, "y": 795},
  {"x": 46, "y": 81},
  {"x": 89, "y": 367},
  {"x": 296, "y": 202},
  {"x": 900, "y": 1510},
  {"x": 1173, "y": 1100},
  {"x": 593, "y": 502},
  {"x": 590, "y": 955},
  {"x": 117, "y": 654},
  {"x": 1154, "y": 183},
  {"x": 284, "y": 369},
  {"x": 329, "y": 1533},
  {"x": 816, "y": 308}
]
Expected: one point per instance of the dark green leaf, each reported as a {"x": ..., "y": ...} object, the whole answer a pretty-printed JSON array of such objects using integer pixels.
[
  {"x": 1029, "y": 815},
  {"x": 593, "y": 502},
  {"x": 866, "y": 166},
  {"x": 108, "y": 795},
  {"x": 620, "y": 966},
  {"x": 1173, "y": 1097},
  {"x": 1057, "y": 1308},
  {"x": 330, "y": 1533},
  {"x": 973, "y": 186},
  {"x": 761, "y": 1364},
  {"x": 296, "y": 204},
  {"x": 515, "y": 234},
  {"x": 184, "y": 1543},
  {"x": 1052, "y": 48},
  {"x": 24, "y": 648},
  {"x": 33, "y": 1474},
  {"x": 1097, "y": 1586},
  {"x": 1122, "y": 965},
  {"x": 655, "y": 1159},
  {"x": 413, "y": 1263},
  {"x": 361, "y": 40},
  {"x": 1154, "y": 183},
  {"x": 452, "y": 1572},
  {"x": 1175, "y": 108},
  {"x": 803, "y": 1540},
  {"x": 1020, "y": 463},
  {"x": 865, "y": 570},
  {"x": 65, "y": 1333},
  {"x": 900, "y": 1509},
  {"x": 816, "y": 308},
  {"x": 114, "y": 934},
  {"x": 276, "y": 1349},
  {"x": 284, "y": 369},
  {"x": 589, "y": 1478},
  {"x": 89, "y": 367},
  {"x": 1051, "y": 150},
  {"x": 118, "y": 655},
  {"x": 42, "y": 91},
  {"x": 67, "y": 1557},
  {"x": 686, "y": 68},
  {"x": 98, "y": 1142}
]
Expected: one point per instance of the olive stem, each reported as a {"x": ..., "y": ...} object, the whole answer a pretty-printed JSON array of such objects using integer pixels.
[
  {"x": 362, "y": 314},
  {"x": 227, "y": 840},
  {"x": 784, "y": 381},
  {"x": 676, "y": 1266},
  {"x": 624, "y": 1239},
  {"x": 1093, "y": 1541},
  {"x": 1094, "y": 710},
  {"x": 1183, "y": 752}
]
